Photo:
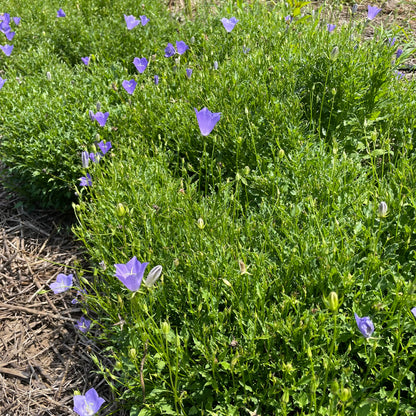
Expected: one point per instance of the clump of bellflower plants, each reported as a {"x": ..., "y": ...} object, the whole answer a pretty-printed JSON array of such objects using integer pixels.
[{"x": 260, "y": 185}]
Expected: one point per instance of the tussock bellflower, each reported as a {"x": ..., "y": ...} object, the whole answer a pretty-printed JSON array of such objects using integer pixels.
[
  {"x": 62, "y": 284},
  {"x": 229, "y": 23},
  {"x": 206, "y": 120},
  {"x": 140, "y": 64},
  {"x": 365, "y": 325},
  {"x": 372, "y": 12},
  {"x": 131, "y": 273},
  {"x": 89, "y": 404},
  {"x": 129, "y": 86}
]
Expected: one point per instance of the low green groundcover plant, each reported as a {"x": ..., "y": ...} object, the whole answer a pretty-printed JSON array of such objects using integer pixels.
[{"x": 258, "y": 159}]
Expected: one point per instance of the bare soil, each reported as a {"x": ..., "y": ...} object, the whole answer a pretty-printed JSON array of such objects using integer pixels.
[{"x": 43, "y": 358}]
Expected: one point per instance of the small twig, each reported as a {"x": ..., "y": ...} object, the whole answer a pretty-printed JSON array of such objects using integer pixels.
[
  {"x": 58, "y": 394},
  {"x": 141, "y": 371},
  {"x": 15, "y": 373},
  {"x": 36, "y": 312}
]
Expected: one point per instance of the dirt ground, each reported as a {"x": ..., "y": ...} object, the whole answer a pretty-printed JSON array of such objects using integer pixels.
[{"x": 43, "y": 358}]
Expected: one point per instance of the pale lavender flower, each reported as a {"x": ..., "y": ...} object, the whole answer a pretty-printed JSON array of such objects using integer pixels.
[
  {"x": 104, "y": 147},
  {"x": 413, "y": 310},
  {"x": 330, "y": 27},
  {"x": 85, "y": 180},
  {"x": 229, "y": 23},
  {"x": 86, "y": 60},
  {"x": 101, "y": 117},
  {"x": 60, "y": 13},
  {"x": 288, "y": 19},
  {"x": 9, "y": 34},
  {"x": 206, "y": 120},
  {"x": 2, "y": 81},
  {"x": 391, "y": 41},
  {"x": 63, "y": 283},
  {"x": 372, "y": 12},
  {"x": 4, "y": 26},
  {"x": 181, "y": 46},
  {"x": 365, "y": 325},
  {"x": 129, "y": 86},
  {"x": 354, "y": 8},
  {"x": 144, "y": 20},
  {"x": 83, "y": 324},
  {"x": 399, "y": 74},
  {"x": 131, "y": 22},
  {"x": 85, "y": 159},
  {"x": 89, "y": 404},
  {"x": 140, "y": 64},
  {"x": 215, "y": 65},
  {"x": 246, "y": 50},
  {"x": 5, "y": 17},
  {"x": 398, "y": 53},
  {"x": 16, "y": 20},
  {"x": 95, "y": 157},
  {"x": 169, "y": 50},
  {"x": 156, "y": 79},
  {"x": 7, "y": 49},
  {"x": 131, "y": 273},
  {"x": 188, "y": 72}
]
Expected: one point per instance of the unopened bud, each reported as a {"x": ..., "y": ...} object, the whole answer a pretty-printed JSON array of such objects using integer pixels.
[
  {"x": 281, "y": 154},
  {"x": 345, "y": 394},
  {"x": 334, "y": 53},
  {"x": 153, "y": 275},
  {"x": 85, "y": 159},
  {"x": 49, "y": 76},
  {"x": 165, "y": 327},
  {"x": 333, "y": 302},
  {"x": 334, "y": 387},
  {"x": 120, "y": 210},
  {"x": 382, "y": 209},
  {"x": 200, "y": 223}
]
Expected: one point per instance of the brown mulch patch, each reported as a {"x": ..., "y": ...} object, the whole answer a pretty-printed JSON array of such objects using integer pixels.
[{"x": 43, "y": 358}]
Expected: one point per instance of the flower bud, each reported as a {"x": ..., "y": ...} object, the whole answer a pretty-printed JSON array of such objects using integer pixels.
[
  {"x": 382, "y": 209},
  {"x": 345, "y": 394},
  {"x": 333, "y": 302},
  {"x": 285, "y": 397},
  {"x": 120, "y": 210},
  {"x": 334, "y": 53},
  {"x": 165, "y": 327},
  {"x": 153, "y": 275},
  {"x": 281, "y": 154},
  {"x": 49, "y": 76},
  {"x": 85, "y": 159},
  {"x": 200, "y": 223},
  {"x": 334, "y": 387}
]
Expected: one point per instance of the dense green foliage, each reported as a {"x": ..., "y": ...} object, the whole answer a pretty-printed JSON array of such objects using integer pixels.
[{"x": 257, "y": 225}]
